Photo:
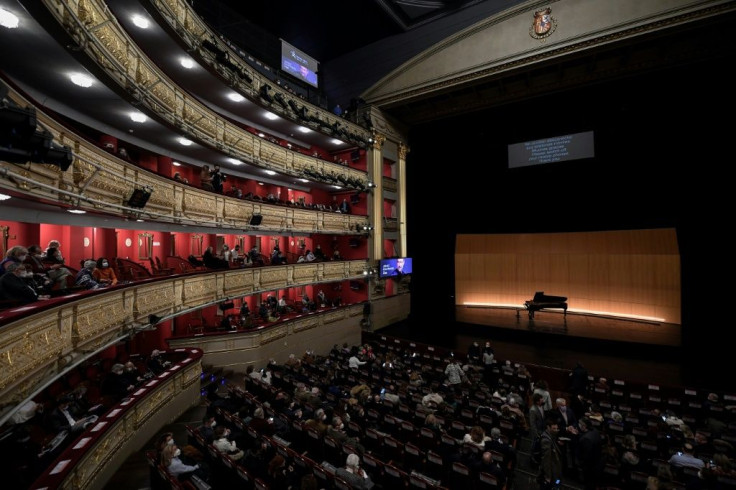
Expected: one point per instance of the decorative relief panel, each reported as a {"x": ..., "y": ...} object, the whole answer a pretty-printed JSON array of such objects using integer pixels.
[
  {"x": 335, "y": 222},
  {"x": 153, "y": 402},
  {"x": 238, "y": 283},
  {"x": 389, "y": 185},
  {"x": 99, "y": 314},
  {"x": 155, "y": 298},
  {"x": 191, "y": 375},
  {"x": 305, "y": 324},
  {"x": 199, "y": 289},
  {"x": 333, "y": 270},
  {"x": 273, "y": 277},
  {"x": 29, "y": 347},
  {"x": 304, "y": 274},
  {"x": 198, "y": 204},
  {"x": 273, "y": 334},
  {"x": 332, "y": 316},
  {"x": 304, "y": 220}
]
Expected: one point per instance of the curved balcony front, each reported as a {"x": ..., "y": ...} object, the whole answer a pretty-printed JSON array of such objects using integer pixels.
[
  {"x": 39, "y": 341},
  {"x": 101, "y": 182}
]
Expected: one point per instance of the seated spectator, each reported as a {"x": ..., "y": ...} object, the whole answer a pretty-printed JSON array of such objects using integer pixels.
[
  {"x": 319, "y": 254},
  {"x": 432, "y": 400},
  {"x": 354, "y": 474},
  {"x": 207, "y": 429},
  {"x": 62, "y": 418},
  {"x": 354, "y": 362},
  {"x": 116, "y": 384},
  {"x": 336, "y": 255},
  {"x": 170, "y": 460},
  {"x": 310, "y": 256},
  {"x": 156, "y": 363},
  {"x": 226, "y": 446},
  {"x": 321, "y": 299},
  {"x": 476, "y": 437},
  {"x": 685, "y": 458},
  {"x": 15, "y": 255},
  {"x": 179, "y": 178},
  {"x": 26, "y": 412},
  {"x": 212, "y": 261},
  {"x": 85, "y": 278},
  {"x": 104, "y": 274},
  {"x": 14, "y": 288},
  {"x": 56, "y": 273}
]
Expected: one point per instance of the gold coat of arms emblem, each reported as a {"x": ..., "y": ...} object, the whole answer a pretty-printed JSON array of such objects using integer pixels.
[{"x": 543, "y": 25}]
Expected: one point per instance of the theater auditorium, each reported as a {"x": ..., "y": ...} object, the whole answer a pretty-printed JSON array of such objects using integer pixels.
[{"x": 372, "y": 244}]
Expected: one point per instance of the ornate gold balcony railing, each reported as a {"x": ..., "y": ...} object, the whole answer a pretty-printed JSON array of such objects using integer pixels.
[
  {"x": 100, "y": 36},
  {"x": 37, "y": 345}
]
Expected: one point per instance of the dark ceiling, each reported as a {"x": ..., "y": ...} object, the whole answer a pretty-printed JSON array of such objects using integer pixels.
[{"x": 327, "y": 29}]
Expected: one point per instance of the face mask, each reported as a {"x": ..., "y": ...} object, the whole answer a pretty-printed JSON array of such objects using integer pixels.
[
  {"x": 130, "y": 370},
  {"x": 170, "y": 442},
  {"x": 22, "y": 257},
  {"x": 214, "y": 423},
  {"x": 177, "y": 453},
  {"x": 105, "y": 264}
]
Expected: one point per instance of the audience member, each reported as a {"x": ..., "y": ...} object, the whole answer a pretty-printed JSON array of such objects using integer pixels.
[
  {"x": 84, "y": 278},
  {"x": 354, "y": 474},
  {"x": 13, "y": 287},
  {"x": 104, "y": 274}
]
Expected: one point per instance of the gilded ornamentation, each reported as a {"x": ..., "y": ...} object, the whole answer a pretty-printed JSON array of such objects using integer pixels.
[
  {"x": 273, "y": 334},
  {"x": 198, "y": 290},
  {"x": 156, "y": 298},
  {"x": 378, "y": 140},
  {"x": 403, "y": 151},
  {"x": 308, "y": 324}
]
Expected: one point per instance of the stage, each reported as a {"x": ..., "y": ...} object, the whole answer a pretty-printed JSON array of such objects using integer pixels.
[{"x": 584, "y": 326}]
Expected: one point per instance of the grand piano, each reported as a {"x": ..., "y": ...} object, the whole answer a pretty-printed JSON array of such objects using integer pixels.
[{"x": 543, "y": 301}]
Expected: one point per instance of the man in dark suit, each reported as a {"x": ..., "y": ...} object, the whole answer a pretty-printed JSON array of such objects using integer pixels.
[
  {"x": 589, "y": 453},
  {"x": 550, "y": 470}
]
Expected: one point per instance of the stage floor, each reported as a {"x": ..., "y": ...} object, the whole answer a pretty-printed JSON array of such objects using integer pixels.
[{"x": 573, "y": 325}]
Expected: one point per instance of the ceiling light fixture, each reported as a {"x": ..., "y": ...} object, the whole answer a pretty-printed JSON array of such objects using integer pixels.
[
  {"x": 185, "y": 142},
  {"x": 176, "y": 164},
  {"x": 336, "y": 141},
  {"x": 303, "y": 180},
  {"x": 4, "y": 197},
  {"x": 77, "y": 211},
  {"x": 337, "y": 187},
  {"x": 261, "y": 135},
  {"x": 270, "y": 172},
  {"x": 187, "y": 63},
  {"x": 261, "y": 183},
  {"x": 235, "y": 161},
  {"x": 270, "y": 116},
  {"x": 8, "y": 19},
  {"x": 302, "y": 129},
  {"x": 140, "y": 21},
  {"x": 81, "y": 80},
  {"x": 235, "y": 97},
  {"x": 138, "y": 117}
]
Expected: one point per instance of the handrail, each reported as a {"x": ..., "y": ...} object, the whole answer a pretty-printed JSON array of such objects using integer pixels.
[{"x": 102, "y": 38}]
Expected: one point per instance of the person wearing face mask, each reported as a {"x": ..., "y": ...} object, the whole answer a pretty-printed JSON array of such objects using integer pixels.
[
  {"x": 14, "y": 288},
  {"x": 104, "y": 274},
  {"x": 16, "y": 255},
  {"x": 84, "y": 276},
  {"x": 170, "y": 460}
]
